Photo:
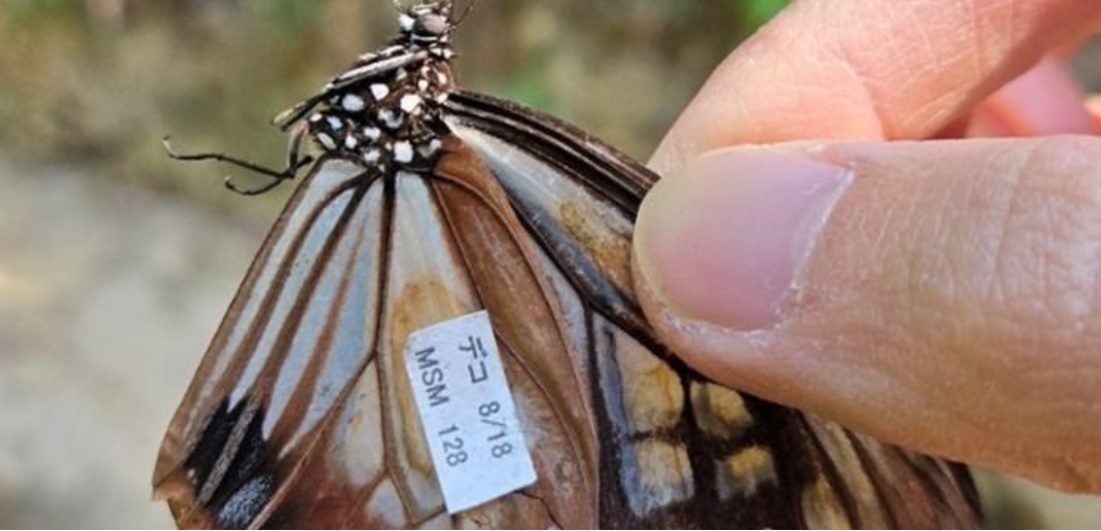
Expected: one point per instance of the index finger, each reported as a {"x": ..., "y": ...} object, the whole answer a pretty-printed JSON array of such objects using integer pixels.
[{"x": 870, "y": 69}]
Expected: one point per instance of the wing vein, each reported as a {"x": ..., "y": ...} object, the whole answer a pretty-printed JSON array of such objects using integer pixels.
[
  {"x": 389, "y": 445},
  {"x": 291, "y": 478}
]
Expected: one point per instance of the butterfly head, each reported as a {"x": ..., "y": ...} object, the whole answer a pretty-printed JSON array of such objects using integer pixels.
[{"x": 427, "y": 23}]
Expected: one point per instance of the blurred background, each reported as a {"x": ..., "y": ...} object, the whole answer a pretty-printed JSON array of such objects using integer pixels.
[{"x": 116, "y": 263}]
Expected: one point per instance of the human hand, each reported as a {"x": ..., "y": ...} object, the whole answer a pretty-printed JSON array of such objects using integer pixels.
[{"x": 942, "y": 295}]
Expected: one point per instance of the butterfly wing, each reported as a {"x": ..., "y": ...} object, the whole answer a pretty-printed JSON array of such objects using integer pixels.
[
  {"x": 677, "y": 450},
  {"x": 301, "y": 414},
  {"x": 243, "y": 425}
]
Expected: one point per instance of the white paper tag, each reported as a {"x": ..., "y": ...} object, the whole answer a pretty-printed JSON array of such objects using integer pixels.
[{"x": 467, "y": 412}]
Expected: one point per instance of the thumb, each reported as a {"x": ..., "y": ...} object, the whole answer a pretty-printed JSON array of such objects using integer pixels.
[{"x": 945, "y": 296}]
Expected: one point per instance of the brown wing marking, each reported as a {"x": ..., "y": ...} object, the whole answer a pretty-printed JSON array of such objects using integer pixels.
[
  {"x": 529, "y": 325},
  {"x": 920, "y": 491}
]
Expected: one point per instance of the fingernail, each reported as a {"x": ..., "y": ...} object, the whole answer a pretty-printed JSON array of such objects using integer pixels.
[{"x": 722, "y": 240}]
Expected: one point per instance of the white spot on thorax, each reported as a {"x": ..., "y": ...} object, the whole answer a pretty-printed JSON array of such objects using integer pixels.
[
  {"x": 403, "y": 152},
  {"x": 429, "y": 149},
  {"x": 326, "y": 141},
  {"x": 379, "y": 91},
  {"x": 389, "y": 118},
  {"x": 406, "y": 22},
  {"x": 409, "y": 102},
  {"x": 372, "y": 133},
  {"x": 351, "y": 141},
  {"x": 335, "y": 124},
  {"x": 352, "y": 103},
  {"x": 372, "y": 156}
]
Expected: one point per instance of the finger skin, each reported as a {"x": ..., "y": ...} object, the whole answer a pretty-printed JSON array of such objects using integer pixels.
[
  {"x": 951, "y": 304},
  {"x": 870, "y": 69},
  {"x": 1093, "y": 107},
  {"x": 1046, "y": 100},
  {"x": 907, "y": 329}
]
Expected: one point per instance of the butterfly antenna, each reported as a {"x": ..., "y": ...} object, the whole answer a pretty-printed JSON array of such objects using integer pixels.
[
  {"x": 469, "y": 8},
  {"x": 294, "y": 164}
]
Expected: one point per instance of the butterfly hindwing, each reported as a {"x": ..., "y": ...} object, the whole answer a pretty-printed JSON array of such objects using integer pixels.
[{"x": 309, "y": 370}]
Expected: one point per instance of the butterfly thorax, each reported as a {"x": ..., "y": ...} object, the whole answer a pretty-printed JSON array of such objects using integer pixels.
[{"x": 383, "y": 112}]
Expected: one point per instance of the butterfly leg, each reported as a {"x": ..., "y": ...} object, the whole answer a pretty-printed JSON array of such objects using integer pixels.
[{"x": 294, "y": 163}]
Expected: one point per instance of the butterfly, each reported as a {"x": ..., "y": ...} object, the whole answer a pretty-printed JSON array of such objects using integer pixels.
[{"x": 427, "y": 202}]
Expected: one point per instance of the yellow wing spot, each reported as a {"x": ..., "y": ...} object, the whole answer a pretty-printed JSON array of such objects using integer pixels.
[
  {"x": 822, "y": 509},
  {"x": 423, "y": 300},
  {"x": 611, "y": 253},
  {"x": 664, "y": 474},
  {"x": 652, "y": 391},
  {"x": 744, "y": 472},
  {"x": 720, "y": 412}
]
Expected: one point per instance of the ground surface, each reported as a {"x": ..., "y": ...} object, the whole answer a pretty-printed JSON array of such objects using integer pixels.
[{"x": 108, "y": 296}]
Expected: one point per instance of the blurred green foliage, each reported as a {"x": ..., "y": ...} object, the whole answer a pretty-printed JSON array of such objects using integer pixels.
[
  {"x": 21, "y": 9},
  {"x": 290, "y": 15},
  {"x": 760, "y": 11}
]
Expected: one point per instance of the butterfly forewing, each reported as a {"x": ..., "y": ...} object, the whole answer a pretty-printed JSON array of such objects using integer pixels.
[
  {"x": 429, "y": 203},
  {"x": 770, "y": 466}
]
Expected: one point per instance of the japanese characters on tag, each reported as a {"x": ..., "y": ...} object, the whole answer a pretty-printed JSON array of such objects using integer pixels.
[{"x": 467, "y": 412}]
